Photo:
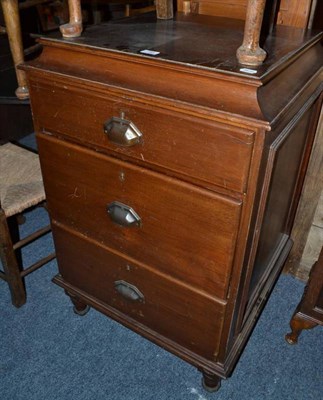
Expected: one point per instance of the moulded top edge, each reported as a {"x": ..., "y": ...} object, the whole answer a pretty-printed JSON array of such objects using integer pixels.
[{"x": 200, "y": 42}]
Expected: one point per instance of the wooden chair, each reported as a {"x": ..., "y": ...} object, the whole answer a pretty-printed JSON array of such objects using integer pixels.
[{"x": 21, "y": 188}]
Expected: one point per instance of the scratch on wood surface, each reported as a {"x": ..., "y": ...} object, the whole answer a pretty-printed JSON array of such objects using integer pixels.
[
  {"x": 75, "y": 194},
  {"x": 224, "y": 182}
]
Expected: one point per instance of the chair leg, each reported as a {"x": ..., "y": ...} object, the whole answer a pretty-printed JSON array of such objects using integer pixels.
[
  {"x": 12, "y": 21},
  {"x": 11, "y": 265},
  {"x": 74, "y": 27}
]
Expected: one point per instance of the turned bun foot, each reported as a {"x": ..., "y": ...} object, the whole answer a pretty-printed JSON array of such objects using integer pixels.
[
  {"x": 210, "y": 382},
  {"x": 81, "y": 311},
  {"x": 80, "y": 308},
  {"x": 22, "y": 92},
  {"x": 71, "y": 30}
]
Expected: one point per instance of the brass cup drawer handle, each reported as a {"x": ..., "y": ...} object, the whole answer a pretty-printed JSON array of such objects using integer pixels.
[
  {"x": 122, "y": 132},
  {"x": 129, "y": 291},
  {"x": 123, "y": 215}
]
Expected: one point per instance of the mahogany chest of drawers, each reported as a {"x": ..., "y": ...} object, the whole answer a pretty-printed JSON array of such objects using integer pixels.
[{"x": 173, "y": 178}]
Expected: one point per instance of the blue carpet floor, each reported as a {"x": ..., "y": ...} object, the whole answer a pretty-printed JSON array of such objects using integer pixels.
[{"x": 48, "y": 352}]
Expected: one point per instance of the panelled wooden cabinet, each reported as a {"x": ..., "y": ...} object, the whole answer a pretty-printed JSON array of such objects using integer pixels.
[{"x": 173, "y": 173}]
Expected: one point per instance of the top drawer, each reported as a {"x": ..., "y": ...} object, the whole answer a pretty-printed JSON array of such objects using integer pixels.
[{"x": 195, "y": 146}]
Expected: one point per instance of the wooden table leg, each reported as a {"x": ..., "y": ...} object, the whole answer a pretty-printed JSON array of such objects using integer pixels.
[
  {"x": 250, "y": 53},
  {"x": 12, "y": 21},
  {"x": 309, "y": 312},
  {"x": 74, "y": 27},
  {"x": 298, "y": 323}
]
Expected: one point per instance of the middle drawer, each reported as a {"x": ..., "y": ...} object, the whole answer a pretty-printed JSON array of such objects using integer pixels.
[{"x": 184, "y": 231}]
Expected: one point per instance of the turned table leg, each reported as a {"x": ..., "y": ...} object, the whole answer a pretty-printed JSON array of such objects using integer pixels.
[
  {"x": 211, "y": 382},
  {"x": 250, "y": 53},
  {"x": 74, "y": 27},
  {"x": 164, "y": 9},
  {"x": 12, "y": 20},
  {"x": 308, "y": 313},
  {"x": 80, "y": 308}
]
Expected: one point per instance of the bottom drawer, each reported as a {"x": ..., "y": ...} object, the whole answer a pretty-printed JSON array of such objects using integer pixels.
[{"x": 167, "y": 307}]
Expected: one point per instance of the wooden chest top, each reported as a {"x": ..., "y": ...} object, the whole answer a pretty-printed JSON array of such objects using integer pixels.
[{"x": 196, "y": 54}]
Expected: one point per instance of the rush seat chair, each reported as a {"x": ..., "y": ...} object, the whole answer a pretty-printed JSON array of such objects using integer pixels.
[{"x": 21, "y": 188}]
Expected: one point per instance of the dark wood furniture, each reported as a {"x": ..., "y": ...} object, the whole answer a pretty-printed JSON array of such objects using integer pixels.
[
  {"x": 309, "y": 312},
  {"x": 173, "y": 177}
]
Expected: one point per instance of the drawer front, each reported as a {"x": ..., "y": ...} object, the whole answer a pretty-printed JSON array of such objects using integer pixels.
[
  {"x": 198, "y": 148},
  {"x": 171, "y": 310},
  {"x": 184, "y": 231}
]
